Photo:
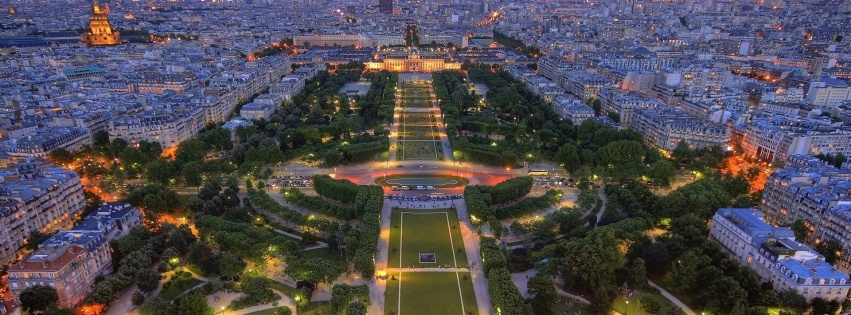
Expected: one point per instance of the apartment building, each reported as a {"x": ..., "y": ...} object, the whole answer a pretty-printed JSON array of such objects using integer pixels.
[
  {"x": 624, "y": 103},
  {"x": 665, "y": 127},
  {"x": 168, "y": 126},
  {"x": 35, "y": 196},
  {"x": 70, "y": 260},
  {"x": 828, "y": 92},
  {"x": 776, "y": 138},
  {"x": 775, "y": 255}
]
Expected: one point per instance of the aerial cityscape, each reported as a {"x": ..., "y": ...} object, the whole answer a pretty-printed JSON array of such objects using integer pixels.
[{"x": 406, "y": 157}]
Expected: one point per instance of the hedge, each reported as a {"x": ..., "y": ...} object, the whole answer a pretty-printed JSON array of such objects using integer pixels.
[
  {"x": 528, "y": 205},
  {"x": 318, "y": 205},
  {"x": 509, "y": 190},
  {"x": 340, "y": 190}
]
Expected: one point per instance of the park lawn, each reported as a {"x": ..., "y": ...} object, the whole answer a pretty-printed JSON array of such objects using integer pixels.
[
  {"x": 179, "y": 286},
  {"x": 565, "y": 305},
  {"x": 619, "y": 303},
  {"x": 416, "y": 103},
  {"x": 462, "y": 181},
  {"x": 430, "y": 293},
  {"x": 418, "y": 119},
  {"x": 419, "y": 150},
  {"x": 419, "y": 133},
  {"x": 328, "y": 254},
  {"x": 316, "y": 308},
  {"x": 285, "y": 289},
  {"x": 426, "y": 231}
]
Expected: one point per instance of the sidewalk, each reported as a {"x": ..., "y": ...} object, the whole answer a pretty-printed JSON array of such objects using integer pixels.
[{"x": 672, "y": 298}]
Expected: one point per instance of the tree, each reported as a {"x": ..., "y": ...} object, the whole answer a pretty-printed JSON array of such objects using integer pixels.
[
  {"x": 800, "y": 229},
  {"x": 157, "y": 306},
  {"x": 600, "y": 302},
  {"x": 568, "y": 157},
  {"x": 356, "y": 308},
  {"x": 542, "y": 294},
  {"x": 160, "y": 171},
  {"x": 831, "y": 251},
  {"x": 682, "y": 153},
  {"x": 673, "y": 309},
  {"x": 194, "y": 304},
  {"x": 656, "y": 257},
  {"x": 192, "y": 174},
  {"x": 662, "y": 173},
  {"x": 100, "y": 138},
  {"x": 116, "y": 146},
  {"x": 137, "y": 298},
  {"x": 637, "y": 274},
  {"x": 60, "y": 156},
  {"x": 283, "y": 310},
  {"x": 684, "y": 271},
  {"x": 593, "y": 258},
  {"x": 820, "y": 306},
  {"x": 148, "y": 280},
  {"x": 38, "y": 298},
  {"x": 650, "y": 304},
  {"x": 230, "y": 266}
]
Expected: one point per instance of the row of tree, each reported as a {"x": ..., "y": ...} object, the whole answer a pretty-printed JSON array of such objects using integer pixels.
[
  {"x": 261, "y": 200},
  {"x": 347, "y": 299},
  {"x": 318, "y": 205},
  {"x": 242, "y": 239},
  {"x": 504, "y": 294},
  {"x": 529, "y": 205},
  {"x": 340, "y": 190},
  {"x": 480, "y": 199},
  {"x": 508, "y": 190}
]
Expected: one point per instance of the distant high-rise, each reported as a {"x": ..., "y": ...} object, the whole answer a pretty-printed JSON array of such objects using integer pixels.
[
  {"x": 385, "y": 6},
  {"x": 100, "y": 32}
]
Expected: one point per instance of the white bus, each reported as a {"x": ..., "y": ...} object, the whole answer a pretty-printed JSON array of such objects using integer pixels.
[{"x": 539, "y": 173}]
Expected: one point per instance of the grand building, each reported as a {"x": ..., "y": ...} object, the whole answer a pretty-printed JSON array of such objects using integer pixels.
[
  {"x": 412, "y": 62},
  {"x": 100, "y": 32},
  {"x": 775, "y": 255}
]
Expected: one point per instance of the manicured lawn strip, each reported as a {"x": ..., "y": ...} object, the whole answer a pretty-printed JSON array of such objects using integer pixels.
[
  {"x": 562, "y": 306},
  {"x": 179, "y": 286},
  {"x": 419, "y": 133},
  {"x": 428, "y": 293},
  {"x": 419, "y": 150},
  {"x": 426, "y": 233},
  {"x": 467, "y": 292},
  {"x": 462, "y": 181}
]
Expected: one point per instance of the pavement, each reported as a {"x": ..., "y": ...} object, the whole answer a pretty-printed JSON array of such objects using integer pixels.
[
  {"x": 672, "y": 298},
  {"x": 474, "y": 256}
]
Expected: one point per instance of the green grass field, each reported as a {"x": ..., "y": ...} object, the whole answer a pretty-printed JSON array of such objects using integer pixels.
[
  {"x": 430, "y": 293},
  {"x": 419, "y": 150},
  {"x": 418, "y": 118},
  {"x": 178, "y": 286},
  {"x": 415, "y": 231},
  {"x": 419, "y": 133}
]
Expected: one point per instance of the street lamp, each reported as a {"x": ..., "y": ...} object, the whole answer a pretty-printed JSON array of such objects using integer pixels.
[{"x": 626, "y": 311}]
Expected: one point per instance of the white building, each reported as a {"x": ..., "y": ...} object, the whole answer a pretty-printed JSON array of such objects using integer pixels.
[{"x": 775, "y": 256}]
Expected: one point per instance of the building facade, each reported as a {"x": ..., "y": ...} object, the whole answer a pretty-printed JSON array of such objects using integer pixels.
[
  {"x": 775, "y": 255},
  {"x": 100, "y": 31},
  {"x": 665, "y": 127},
  {"x": 35, "y": 196},
  {"x": 70, "y": 260}
]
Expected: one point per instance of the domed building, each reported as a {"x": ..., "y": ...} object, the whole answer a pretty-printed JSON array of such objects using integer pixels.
[{"x": 100, "y": 32}]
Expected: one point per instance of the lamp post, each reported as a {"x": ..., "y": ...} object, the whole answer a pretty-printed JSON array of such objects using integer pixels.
[{"x": 626, "y": 310}]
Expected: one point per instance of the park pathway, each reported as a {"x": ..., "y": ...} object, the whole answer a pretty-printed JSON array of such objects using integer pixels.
[
  {"x": 474, "y": 256},
  {"x": 394, "y": 127},
  {"x": 377, "y": 288}
]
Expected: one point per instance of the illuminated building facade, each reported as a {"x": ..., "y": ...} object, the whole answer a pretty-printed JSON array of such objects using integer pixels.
[
  {"x": 100, "y": 32},
  {"x": 413, "y": 62}
]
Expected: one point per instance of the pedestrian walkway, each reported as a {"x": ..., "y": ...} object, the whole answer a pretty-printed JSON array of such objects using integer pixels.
[
  {"x": 672, "y": 298},
  {"x": 428, "y": 270}
]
